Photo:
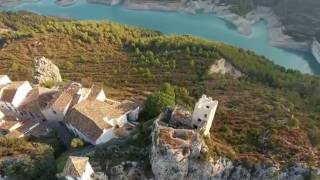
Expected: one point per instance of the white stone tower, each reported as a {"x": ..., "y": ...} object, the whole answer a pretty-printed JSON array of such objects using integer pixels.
[{"x": 203, "y": 113}]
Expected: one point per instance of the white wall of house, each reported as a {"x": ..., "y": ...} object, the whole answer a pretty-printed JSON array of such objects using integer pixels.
[
  {"x": 49, "y": 114},
  {"x": 4, "y": 79},
  {"x": 55, "y": 115},
  {"x": 80, "y": 134},
  {"x": 106, "y": 136},
  {"x": 134, "y": 114},
  {"x": 88, "y": 172},
  {"x": 204, "y": 112},
  {"x": 21, "y": 93},
  {"x": 120, "y": 121},
  {"x": 2, "y": 115},
  {"x": 101, "y": 96},
  {"x": 84, "y": 93}
]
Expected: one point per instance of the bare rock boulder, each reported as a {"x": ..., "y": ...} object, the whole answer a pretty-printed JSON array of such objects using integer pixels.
[
  {"x": 45, "y": 72},
  {"x": 224, "y": 67}
]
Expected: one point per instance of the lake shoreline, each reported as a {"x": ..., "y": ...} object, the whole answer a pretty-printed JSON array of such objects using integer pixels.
[
  {"x": 66, "y": 3},
  {"x": 8, "y": 3},
  {"x": 276, "y": 36},
  {"x": 204, "y": 23},
  {"x": 243, "y": 25}
]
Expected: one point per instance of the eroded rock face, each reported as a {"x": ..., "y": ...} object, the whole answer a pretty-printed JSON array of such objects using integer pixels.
[
  {"x": 171, "y": 151},
  {"x": 224, "y": 67},
  {"x": 179, "y": 154},
  {"x": 45, "y": 71},
  {"x": 127, "y": 170}
]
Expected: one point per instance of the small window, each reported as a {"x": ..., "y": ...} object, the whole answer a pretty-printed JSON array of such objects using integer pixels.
[
  {"x": 44, "y": 120},
  {"x": 54, "y": 112},
  {"x": 205, "y": 115},
  {"x": 199, "y": 120},
  {"x": 195, "y": 126},
  {"x": 21, "y": 113},
  {"x": 208, "y": 107}
]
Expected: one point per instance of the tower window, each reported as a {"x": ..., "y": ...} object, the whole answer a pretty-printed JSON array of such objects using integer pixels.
[
  {"x": 205, "y": 115},
  {"x": 208, "y": 107},
  {"x": 199, "y": 120},
  {"x": 195, "y": 126}
]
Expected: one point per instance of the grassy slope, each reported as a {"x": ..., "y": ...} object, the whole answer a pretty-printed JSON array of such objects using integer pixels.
[{"x": 281, "y": 105}]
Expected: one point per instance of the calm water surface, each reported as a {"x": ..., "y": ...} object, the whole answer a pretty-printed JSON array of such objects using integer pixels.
[{"x": 203, "y": 25}]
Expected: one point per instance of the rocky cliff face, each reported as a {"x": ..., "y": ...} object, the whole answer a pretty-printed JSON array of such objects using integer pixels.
[
  {"x": 224, "y": 67},
  {"x": 181, "y": 154},
  {"x": 45, "y": 72}
]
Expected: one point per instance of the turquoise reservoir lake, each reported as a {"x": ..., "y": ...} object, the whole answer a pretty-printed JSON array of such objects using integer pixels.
[{"x": 202, "y": 25}]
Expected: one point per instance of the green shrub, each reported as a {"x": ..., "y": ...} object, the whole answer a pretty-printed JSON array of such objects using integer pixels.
[{"x": 76, "y": 143}]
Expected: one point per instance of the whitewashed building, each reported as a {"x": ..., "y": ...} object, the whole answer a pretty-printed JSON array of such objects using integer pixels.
[
  {"x": 35, "y": 101},
  {"x": 77, "y": 168},
  {"x": 12, "y": 95},
  {"x": 95, "y": 121},
  {"x": 56, "y": 108},
  {"x": 204, "y": 112},
  {"x": 69, "y": 96}
]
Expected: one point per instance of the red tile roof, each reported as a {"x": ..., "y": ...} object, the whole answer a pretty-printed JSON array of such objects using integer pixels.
[
  {"x": 96, "y": 88},
  {"x": 65, "y": 96},
  {"x": 88, "y": 117},
  {"x": 9, "y": 91},
  {"x": 37, "y": 99}
]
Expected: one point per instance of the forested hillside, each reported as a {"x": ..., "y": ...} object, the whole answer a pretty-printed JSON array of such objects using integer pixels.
[{"x": 280, "y": 106}]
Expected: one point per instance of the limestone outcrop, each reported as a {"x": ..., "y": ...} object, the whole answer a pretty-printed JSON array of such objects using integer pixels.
[
  {"x": 45, "y": 72},
  {"x": 224, "y": 67},
  {"x": 181, "y": 154},
  {"x": 126, "y": 170}
]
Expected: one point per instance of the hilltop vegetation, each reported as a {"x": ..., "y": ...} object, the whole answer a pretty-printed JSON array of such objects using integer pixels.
[
  {"x": 271, "y": 114},
  {"x": 20, "y": 159}
]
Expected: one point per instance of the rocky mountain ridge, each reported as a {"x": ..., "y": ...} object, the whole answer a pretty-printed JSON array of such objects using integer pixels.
[{"x": 178, "y": 153}]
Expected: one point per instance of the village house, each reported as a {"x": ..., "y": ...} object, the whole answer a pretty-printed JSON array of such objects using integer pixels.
[
  {"x": 77, "y": 168},
  {"x": 36, "y": 101},
  {"x": 70, "y": 95},
  {"x": 13, "y": 127},
  {"x": 12, "y": 95},
  {"x": 84, "y": 110},
  {"x": 29, "y": 128},
  {"x": 95, "y": 121},
  {"x": 58, "y": 106}
]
